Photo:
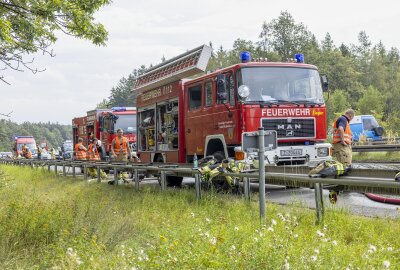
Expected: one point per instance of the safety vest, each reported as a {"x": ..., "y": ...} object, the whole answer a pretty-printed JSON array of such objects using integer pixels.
[
  {"x": 346, "y": 136},
  {"x": 26, "y": 153},
  {"x": 118, "y": 144},
  {"x": 93, "y": 153},
  {"x": 80, "y": 153}
]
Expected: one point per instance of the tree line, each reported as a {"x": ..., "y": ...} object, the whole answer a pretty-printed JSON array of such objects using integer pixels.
[
  {"x": 363, "y": 76},
  {"x": 52, "y": 133}
]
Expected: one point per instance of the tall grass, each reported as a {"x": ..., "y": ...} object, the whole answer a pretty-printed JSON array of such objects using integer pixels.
[{"x": 60, "y": 223}]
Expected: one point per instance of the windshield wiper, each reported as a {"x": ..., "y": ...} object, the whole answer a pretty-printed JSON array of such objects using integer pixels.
[
  {"x": 309, "y": 102},
  {"x": 276, "y": 101}
]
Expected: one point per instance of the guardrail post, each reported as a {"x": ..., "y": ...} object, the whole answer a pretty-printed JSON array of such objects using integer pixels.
[
  {"x": 64, "y": 171},
  {"x": 163, "y": 179},
  {"x": 55, "y": 167},
  {"x": 261, "y": 173},
  {"x": 319, "y": 204},
  {"x": 98, "y": 174},
  {"x": 73, "y": 171},
  {"x": 246, "y": 187},
  {"x": 48, "y": 167},
  {"x": 85, "y": 172},
  {"x": 136, "y": 175},
  {"x": 115, "y": 176},
  {"x": 197, "y": 183}
]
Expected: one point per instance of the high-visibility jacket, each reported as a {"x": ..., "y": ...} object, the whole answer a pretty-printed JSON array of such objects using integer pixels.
[
  {"x": 80, "y": 153},
  {"x": 26, "y": 153},
  {"x": 346, "y": 136},
  {"x": 121, "y": 146},
  {"x": 93, "y": 153}
]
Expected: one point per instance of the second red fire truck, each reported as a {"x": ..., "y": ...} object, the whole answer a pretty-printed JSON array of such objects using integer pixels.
[
  {"x": 103, "y": 124},
  {"x": 208, "y": 115}
]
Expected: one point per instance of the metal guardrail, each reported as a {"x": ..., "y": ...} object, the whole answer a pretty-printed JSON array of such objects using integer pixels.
[
  {"x": 379, "y": 185},
  {"x": 376, "y": 148}
]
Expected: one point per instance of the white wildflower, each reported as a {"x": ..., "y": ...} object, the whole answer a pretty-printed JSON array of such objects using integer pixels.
[
  {"x": 372, "y": 249},
  {"x": 316, "y": 251},
  {"x": 325, "y": 228},
  {"x": 208, "y": 220},
  {"x": 192, "y": 214},
  {"x": 261, "y": 235},
  {"x": 273, "y": 222},
  {"x": 286, "y": 266},
  {"x": 199, "y": 229},
  {"x": 295, "y": 235},
  {"x": 334, "y": 242},
  {"x": 320, "y": 234},
  {"x": 207, "y": 234},
  {"x": 133, "y": 268},
  {"x": 314, "y": 258},
  {"x": 122, "y": 246},
  {"x": 233, "y": 248},
  {"x": 386, "y": 264},
  {"x": 213, "y": 241},
  {"x": 255, "y": 239},
  {"x": 390, "y": 249},
  {"x": 270, "y": 229},
  {"x": 236, "y": 228},
  {"x": 78, "y": 261},
  {"x": 175, "y": 259}
]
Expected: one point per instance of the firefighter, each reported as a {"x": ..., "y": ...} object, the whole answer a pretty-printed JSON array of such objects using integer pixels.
[
  {"x": 342, "y": 138},
  {"x": 93, "y": 155},
  {"x": 80, "y": 150},
  {"x": 26, "y": 153},
  {"x": 120, "y": 150},
  {"x": 52, "y": 153},
  {"x": 39, "y": 152}
]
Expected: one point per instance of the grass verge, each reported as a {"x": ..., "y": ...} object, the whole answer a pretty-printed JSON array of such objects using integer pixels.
[{"x": 61, "y": 223}]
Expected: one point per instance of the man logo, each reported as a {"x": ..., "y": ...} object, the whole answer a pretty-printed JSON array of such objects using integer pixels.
[{"x": 289, "y": 133}]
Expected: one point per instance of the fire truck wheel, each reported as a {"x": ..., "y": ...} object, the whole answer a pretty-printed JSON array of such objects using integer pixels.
[
  {"x": 174, "y": 181},
  {"x": 219, "y": 156}
]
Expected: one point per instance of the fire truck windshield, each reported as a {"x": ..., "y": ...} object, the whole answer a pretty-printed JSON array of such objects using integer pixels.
[
  {"x": 127, "y": 122},
  {"x": 281, "y": 84}
]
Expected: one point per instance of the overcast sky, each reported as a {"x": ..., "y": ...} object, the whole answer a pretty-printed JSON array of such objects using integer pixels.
[{"x": 142, "y": 32}]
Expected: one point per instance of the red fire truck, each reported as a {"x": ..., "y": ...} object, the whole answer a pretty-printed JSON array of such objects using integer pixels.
[
  {"x": 209, "y": 114},
  {"x": 103, "y": 124}
]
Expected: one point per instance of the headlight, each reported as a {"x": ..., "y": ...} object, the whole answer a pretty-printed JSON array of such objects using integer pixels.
[
  {"x": 323, "y": 151},
  {"x": 243, "y": 91}
]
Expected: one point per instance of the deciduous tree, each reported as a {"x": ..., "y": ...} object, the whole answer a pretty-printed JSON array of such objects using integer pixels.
[{"x": 29, "y": 26}]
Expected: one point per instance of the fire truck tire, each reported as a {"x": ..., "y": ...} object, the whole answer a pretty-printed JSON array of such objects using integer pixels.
[
  {"x": 174, "y": 181},
  {"x": 219, "y": 156}
]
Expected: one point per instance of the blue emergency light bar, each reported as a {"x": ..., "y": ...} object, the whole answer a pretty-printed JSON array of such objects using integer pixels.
[
  {"x": 299, "y": 57},
  {"x": 245, "y": 57},
  {"x": 118, "y": 109}
]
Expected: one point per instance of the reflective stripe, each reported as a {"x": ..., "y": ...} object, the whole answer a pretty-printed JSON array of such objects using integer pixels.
[
  {"x": 347, "y": 136},
  {"x": 80, "y": 153}
]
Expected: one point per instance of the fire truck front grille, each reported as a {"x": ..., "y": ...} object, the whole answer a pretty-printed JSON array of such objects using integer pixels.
[{"x": 291, "y": 128}]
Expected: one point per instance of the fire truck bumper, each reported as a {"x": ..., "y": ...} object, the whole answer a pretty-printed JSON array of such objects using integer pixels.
[{"x": 309, "y": 155}]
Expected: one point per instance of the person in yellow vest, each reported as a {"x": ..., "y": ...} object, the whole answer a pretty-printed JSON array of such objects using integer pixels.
[
  {"x": 52, "y": 153},
  {"x": 342, "y": 138},
  {"x": 93, "y": 155},
  {"x": 80, "y": 150},
  {"x": 26, "y": 153},
  {"x": 120, "y": 150}
]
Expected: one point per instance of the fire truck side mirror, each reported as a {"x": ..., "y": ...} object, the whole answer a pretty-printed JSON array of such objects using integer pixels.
[
  {"x": 324, "y": 82},
  {"x": 222, "y": 92}
]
